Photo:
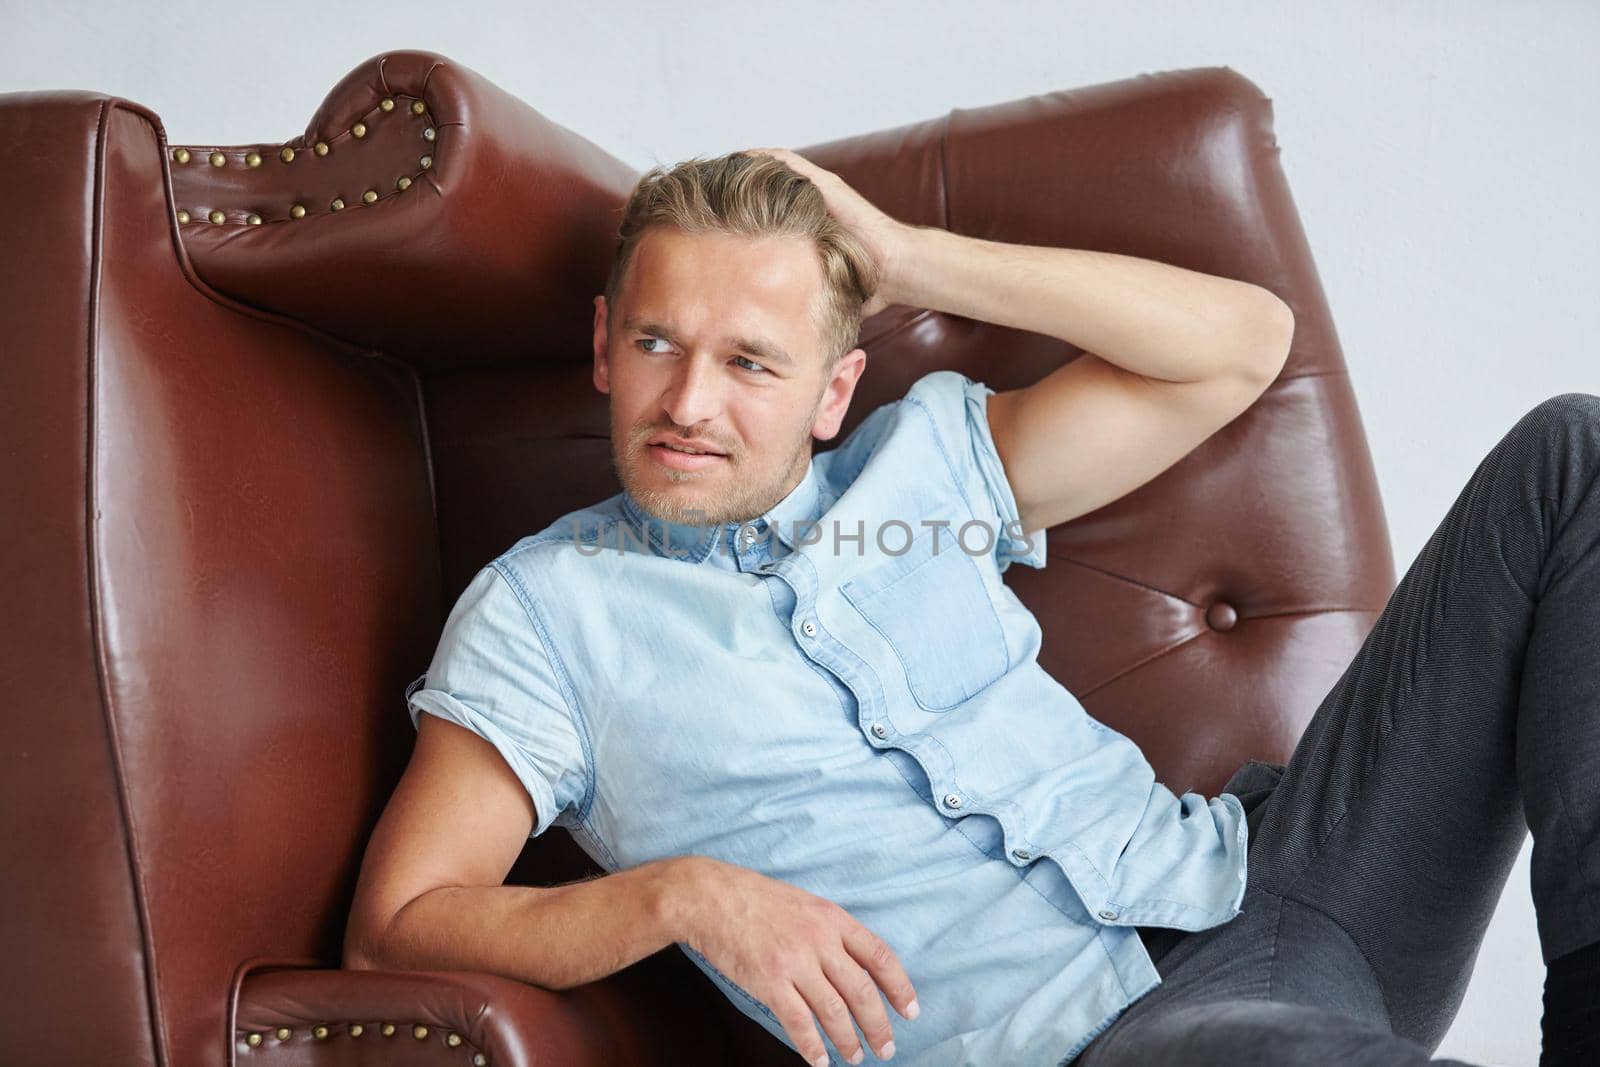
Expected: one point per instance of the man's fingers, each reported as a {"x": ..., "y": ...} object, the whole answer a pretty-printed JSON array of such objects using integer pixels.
[
  {"x": 832, "y": 1012},
  {"x": 795, "y": 1018},
  {"x": 874, "y": 953},
  {"x": 860, "y": 991}
]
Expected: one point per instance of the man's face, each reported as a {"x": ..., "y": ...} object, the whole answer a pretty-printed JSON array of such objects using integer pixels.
[{"x": 714, "y": 343}]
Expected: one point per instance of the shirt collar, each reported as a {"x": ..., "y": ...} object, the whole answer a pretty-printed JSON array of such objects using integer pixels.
[{"x": 693, "y": 543}]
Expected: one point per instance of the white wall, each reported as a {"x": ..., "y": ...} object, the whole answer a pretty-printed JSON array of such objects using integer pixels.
[{"x": 1438, "y": 153}]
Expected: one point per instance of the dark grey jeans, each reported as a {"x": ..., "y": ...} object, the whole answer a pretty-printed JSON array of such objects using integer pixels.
[{"x": 1470, "y": 715}]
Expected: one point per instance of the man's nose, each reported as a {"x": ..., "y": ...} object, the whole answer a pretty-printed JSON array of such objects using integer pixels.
[{"x": 695, "y": 393}]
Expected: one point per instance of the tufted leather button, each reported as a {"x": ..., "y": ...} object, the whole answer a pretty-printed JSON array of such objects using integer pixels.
[
  {"x": 218, "y": 159},
  {"x": 402, "y": 183},
  {"x": 252, "y": 159},
  {"x": 181, "y": 155},
  {"x": 359, "y": 129},
  {"x": 217, "y": 217},
  {"x": 253, "y": 219},
  {"x": 320, "y": 148},
  {"x": 356, "y": 1029},
  {"x": 1221, "y": 615},
  {"x": 370, "y": 195},
  {"x": 297, "y": 212},
  {"x": 254, "y": 1040},
  {"x": 388, "y": 104},
  {"x": 337, "y": 204},
  {"x": 418, "y": 107},
  {"x": 287, "y": 154},
  {"x": 426, "y": 161},
  {"x": 183, "y": 216},
  {"x": 428, "y": 133}
]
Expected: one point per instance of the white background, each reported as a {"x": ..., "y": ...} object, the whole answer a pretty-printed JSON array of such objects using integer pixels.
[{"x": 1438, "y": 153}]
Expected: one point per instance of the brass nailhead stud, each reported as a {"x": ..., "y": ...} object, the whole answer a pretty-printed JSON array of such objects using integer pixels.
[
  {"x": 479, "y": 1060},
  {"x": 217, "y": 217},
  {"x": 284, "y": 1033},
  {"x": 356, "y": 1029},
  {"x": 427, "y": 161},
  {"x": 287, "y": 155},
  {"x": 181, "y": 155},
  {"x": 298, "y": 211},
  {"x": 418, "y": 107},
  {"x": 254, "y": 1040},
  {"x": 403, "y": 183},
  {"x": 453, "y": 1040},
  {"x": 359, "y": 129},
  {"x": 253, "y": 219},
  {"x": 218, "y": 159},
  {"x": 252, "y": 159},
  {"x": 419, "y": 1031},
  {"x": 370, "y": 195},
  {"x": 388, "y": 103},
  {"x": 388, "y": 1029},
  {"x": 428, "y": 133},
  {"x": 319, "y": 1032},
  {"x": 183, "y": 216},
  {"x": 320, "y": 148},
  {"x": 338, "y": 203}
]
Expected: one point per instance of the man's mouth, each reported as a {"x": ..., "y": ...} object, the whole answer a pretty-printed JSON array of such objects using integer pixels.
[{"x": 685, "y": 447}]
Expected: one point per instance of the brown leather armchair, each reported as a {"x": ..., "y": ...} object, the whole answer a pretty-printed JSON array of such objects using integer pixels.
[{"x": 273, "y": 404}]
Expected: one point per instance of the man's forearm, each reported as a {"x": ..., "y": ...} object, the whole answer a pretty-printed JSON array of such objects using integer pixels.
[
  {"x": 1148, "y": 317},
  {"x": 556, "y": 937}
]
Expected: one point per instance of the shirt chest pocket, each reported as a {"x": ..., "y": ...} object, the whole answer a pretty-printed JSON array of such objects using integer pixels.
[{"x": 934, "y": 611}]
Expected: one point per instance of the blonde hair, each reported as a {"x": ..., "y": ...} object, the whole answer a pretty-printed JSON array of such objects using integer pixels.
[{"x": 755, "y": 195}]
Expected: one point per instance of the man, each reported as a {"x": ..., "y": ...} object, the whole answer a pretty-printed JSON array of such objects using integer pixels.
[{"x": 816, "y": 751}]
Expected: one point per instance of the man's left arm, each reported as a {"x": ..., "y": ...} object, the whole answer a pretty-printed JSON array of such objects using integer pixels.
[{"x": 1170, "y": 357}]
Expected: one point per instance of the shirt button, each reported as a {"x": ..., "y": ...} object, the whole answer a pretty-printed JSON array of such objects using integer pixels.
[
  {"x": 1022, "y": 854},
  {"x": 1107, "y": 913},
  {"x": 952, "y": 800},
  {"x": 747, "y": 535},
  {"x": 809, "y": 628},
  {"x": 879, "y": 730}
]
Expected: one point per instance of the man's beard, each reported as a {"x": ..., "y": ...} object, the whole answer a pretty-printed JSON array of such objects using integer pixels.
[{"x": 732, "y": 501}]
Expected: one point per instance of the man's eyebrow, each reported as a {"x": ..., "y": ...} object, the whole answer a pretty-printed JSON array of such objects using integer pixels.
[{"x": 767, "y": 350}]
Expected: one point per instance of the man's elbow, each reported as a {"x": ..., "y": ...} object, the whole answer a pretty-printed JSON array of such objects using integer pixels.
[
  {"x": 357, "y": 956},
  {"x": 1268, "y": 331},
  {"x": 363, "y": 942}
]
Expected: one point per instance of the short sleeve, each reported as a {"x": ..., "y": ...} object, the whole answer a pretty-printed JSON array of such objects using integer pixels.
[
  {"x": 960, "y": 410},
  {"x": 492, "y": 674}
]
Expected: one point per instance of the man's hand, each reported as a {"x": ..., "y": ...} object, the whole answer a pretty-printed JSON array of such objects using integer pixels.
[
  {"x": 799, "y": 954},
  {"x": 882, "y": 235}
]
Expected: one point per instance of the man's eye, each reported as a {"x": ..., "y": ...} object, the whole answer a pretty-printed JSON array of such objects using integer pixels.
[
  {"x": 649, "y": 340},
  {"x": 757, "y": 366}
]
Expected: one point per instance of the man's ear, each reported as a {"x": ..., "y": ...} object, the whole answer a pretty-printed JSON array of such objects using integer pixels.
[
  {"x": 837, "y": 393},
  {"x": 602, "y": 370}
]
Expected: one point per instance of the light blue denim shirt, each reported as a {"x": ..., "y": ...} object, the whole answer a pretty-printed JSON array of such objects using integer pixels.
[{"x": 843, "y": 694}]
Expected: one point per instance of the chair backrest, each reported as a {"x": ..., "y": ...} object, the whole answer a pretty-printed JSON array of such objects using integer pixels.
[{"x": 264, "y": 457}]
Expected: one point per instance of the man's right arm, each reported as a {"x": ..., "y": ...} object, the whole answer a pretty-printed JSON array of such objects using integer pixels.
[{"x": 431, "y": 893}]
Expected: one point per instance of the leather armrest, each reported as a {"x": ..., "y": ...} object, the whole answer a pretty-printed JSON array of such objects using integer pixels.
[{"x": 303, "y": 1016}]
